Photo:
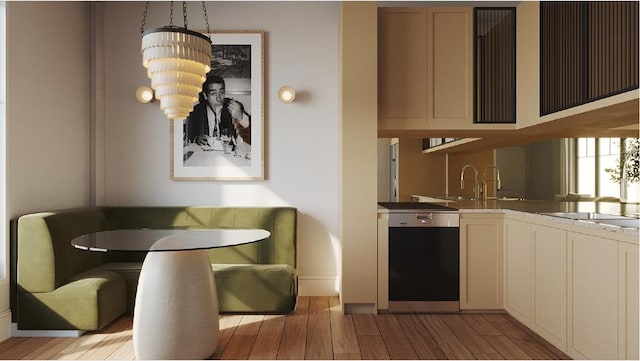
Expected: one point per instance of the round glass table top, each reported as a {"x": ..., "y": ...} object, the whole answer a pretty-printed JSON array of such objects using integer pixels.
[{"x": 167, "y": 239}]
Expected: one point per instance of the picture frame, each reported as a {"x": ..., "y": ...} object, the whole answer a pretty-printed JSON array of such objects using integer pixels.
[{"x": 228, "y": 143}]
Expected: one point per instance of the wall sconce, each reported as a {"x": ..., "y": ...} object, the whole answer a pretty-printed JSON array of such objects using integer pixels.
[
  {"x": 286, "y": 94},
  {"x": 144, "y": 94}
]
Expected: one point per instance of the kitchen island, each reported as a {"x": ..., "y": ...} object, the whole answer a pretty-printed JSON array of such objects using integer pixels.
[{"x": 572, "y": 281}]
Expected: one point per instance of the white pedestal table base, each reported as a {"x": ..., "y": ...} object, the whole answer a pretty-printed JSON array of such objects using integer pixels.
[{"x": 176, "y": 309}]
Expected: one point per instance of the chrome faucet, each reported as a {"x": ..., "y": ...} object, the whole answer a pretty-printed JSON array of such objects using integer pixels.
[
  {"x": 476, "y": 189},
  {"x": 484, "y": 180}
]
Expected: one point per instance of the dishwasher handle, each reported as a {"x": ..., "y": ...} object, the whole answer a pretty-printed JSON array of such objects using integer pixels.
[{"x": 425, "y": 219}]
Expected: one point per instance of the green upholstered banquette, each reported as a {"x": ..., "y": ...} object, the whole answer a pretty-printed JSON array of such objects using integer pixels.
[{"x": 57, "y": 287}]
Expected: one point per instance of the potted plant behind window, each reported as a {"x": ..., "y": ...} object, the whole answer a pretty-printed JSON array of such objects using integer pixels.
[{"x": 627, "y": 170}]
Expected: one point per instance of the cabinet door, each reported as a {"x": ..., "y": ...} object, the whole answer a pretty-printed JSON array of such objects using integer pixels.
[
  {"x": 402, "y": 68},
  {"x": 450, "y": 66},
  {"x": 495, "y": 70},
  {"x": 425, "y": 68},
  {"x": 589, "y": 50},
  {"x": 383, "y": 261},
  {"x": 593, "y": 298},
  {"x": 481, "y": 243},
  {"x": 550, "y": 285},
  {"x": 518, "y": 270},
  {"x": 628, "y": 301}
]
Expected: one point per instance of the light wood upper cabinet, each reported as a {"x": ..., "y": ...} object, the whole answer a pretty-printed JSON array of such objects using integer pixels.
[
  {"x": 425, "y": 68},
  {"x": 449, "y": 66},
  {"x": 402, "y": 67}
]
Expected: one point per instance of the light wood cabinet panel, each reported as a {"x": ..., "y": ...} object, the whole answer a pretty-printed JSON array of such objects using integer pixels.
[
  {"x": 628, "y": 317},
  {"x": 481, "y": 253},
  {"x": 518, "y": 270},
  {"x": 402, "y": 67},
  {"x": 550, "y": 285},
  {"x": 450, "y": 66},
  {"x": 593, "y": 298},
  {"x": 425, "y": 68}
]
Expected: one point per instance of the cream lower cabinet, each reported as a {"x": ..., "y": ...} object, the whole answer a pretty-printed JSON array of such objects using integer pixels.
[
  {"x": 549, "y": 284},
  {"x": 628, "y": 317},
  {"x": 578, "y": 291},
  {"x": 603, "y": 298},
  {"x": 481, "y": 253},
  {"x": 536, "y": 278},
  {"x": 593, "y": 298},
  {"x": 517, "y": 286}
]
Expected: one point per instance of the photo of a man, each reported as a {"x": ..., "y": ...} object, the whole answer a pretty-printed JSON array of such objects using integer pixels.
[
  {"x": 220, "y": 124},
  {"x": 217, "y": 118},
  {"x": 222, "y": 137}
]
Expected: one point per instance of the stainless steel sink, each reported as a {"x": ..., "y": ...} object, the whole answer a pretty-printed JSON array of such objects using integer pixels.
[
  {"x": 586, "y": 215},
  {"x": 601, "y": 218},
  {"x": 630, "y": 222}
]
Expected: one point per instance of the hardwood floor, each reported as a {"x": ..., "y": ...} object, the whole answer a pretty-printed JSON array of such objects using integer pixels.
[{"x": 317, "y": 330}]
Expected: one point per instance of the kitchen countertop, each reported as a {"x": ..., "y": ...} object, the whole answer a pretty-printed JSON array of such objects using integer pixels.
[{"x": 537, "y": 208}]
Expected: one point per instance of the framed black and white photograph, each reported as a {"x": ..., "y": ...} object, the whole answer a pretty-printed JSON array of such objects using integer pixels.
[{"x": 223, "y": 137}]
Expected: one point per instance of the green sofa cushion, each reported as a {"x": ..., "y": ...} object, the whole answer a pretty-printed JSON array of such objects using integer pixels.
[
  {"x": 130, "y": 272},
  {"x": 46, "y": 259},
  {"x": 279, "y": 248},
  {"x": 90, "y": 301},
  {"x": 273, "y": 288}
]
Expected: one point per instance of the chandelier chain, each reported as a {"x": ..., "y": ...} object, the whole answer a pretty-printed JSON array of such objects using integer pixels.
[
  {"x": 184, "y": 14},
  {"x": 144, "y": 16},
  {"x": 171, "y": 14},
  {"x": 206, "y": 17}
]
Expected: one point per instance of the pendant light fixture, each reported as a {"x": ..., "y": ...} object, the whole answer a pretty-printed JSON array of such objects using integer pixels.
[{"x": 177, "y": 61}]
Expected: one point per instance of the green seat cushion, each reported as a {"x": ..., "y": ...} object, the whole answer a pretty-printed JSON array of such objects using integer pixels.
[
  {"x": 89, "y": 301},
  {"x": 261, "y": 288},
  {"x": 130, "y": 272}
]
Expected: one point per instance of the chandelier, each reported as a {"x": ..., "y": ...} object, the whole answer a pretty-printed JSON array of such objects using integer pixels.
[{"x": 177, "y": 61}]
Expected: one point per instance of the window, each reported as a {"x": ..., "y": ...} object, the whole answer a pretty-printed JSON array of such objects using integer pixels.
[{"x": 595, "y": 160}]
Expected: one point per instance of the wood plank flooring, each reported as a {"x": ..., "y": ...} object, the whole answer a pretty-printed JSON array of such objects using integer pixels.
[{"x": 317, "y": 330}]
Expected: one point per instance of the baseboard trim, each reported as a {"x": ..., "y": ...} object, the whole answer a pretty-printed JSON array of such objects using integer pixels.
[
  {"x": 15, "y": 332},
  {"x": 311, "y": 286},
  {"x": 5, "y": 325}
]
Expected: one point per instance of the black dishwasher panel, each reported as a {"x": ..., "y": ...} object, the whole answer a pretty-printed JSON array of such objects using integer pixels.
[{"x": 424, "y": 264}]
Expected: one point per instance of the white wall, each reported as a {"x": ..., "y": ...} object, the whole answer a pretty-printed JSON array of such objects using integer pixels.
[
  {"x": 47, "y": 106},
  {"x": 48, "y": 125},
  {"x": 302, "y": 138}
]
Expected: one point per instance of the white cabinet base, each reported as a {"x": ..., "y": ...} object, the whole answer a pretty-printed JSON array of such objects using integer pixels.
[{"x": 176, "y": 310}]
